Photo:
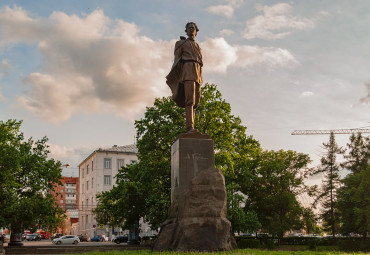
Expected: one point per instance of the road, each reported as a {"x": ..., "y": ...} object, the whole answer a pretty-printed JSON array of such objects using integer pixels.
[{"x": 49, "y": 243}]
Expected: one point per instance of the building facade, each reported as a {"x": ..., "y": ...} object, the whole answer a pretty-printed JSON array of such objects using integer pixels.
[
  {"x": 97, "y": 174},
  {"x": 67, "y": 194}
]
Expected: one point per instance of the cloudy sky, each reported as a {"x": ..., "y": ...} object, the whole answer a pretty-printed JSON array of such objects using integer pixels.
[{"x": 80, "y": 72}]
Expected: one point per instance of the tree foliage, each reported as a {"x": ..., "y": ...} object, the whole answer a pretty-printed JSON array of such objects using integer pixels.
[
  {"x": 354, "y": 195},
  {"x": 327, "y": 195},
  {"x": 26, "y": 178},
  {"x": 241, "y": 220},
  {"x": 358, "y": 156},
  {"x": 279, "y": 179},
  {"x": 309, "y": 220}
]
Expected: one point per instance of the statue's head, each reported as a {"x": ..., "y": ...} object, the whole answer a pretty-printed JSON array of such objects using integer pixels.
[{"x": 191, "y": 28}]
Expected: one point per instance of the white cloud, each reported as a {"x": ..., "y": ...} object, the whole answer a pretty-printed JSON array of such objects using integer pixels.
[
  {"x": 226, "y": 32},
  {"x": 93, "y": 64},
  {"x": 307, "y": 94},
  {"x": 366, "y": 99},
  {"x": 223, "y": 10},
  {"x": 5, "y": 69},
  {"x": 219, "y": 55},
  {"x": 226, "y": 10},
  {"x": 276, "y": 22},
  {"x": 72, "y": 156}
]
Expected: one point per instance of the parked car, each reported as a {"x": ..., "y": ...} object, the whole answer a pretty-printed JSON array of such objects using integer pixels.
[
  {"x": 69, "y": 239},
  {"x": 97, "y": 238},
  {"x": 33, "y": 237},
  {"x": 120, "y": 239},
  {"x": 83, "y": 238}
]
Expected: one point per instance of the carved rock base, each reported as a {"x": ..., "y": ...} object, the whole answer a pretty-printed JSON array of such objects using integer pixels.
[{"x": 195, "y": 234}]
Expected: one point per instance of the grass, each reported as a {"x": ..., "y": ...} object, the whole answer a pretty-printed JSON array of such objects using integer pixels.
[{"x": 234, "y": 252}]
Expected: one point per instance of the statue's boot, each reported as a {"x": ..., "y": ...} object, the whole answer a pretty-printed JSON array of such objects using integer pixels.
[{"x": 189, "y": 119}]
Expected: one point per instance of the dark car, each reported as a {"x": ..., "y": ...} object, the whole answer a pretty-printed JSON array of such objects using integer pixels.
[
  {"x": 83, "y": 238},
  {"x": 120, "y": 239},
  {"x": 33, "y": 237}
]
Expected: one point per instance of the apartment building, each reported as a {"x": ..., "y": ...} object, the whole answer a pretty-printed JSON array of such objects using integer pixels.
[
  {"x": 97, "y": 174},
  {"x": 67, "y": 194}
]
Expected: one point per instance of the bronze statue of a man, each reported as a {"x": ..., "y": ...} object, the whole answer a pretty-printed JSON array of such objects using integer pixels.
[{"x": 185, "y": 77}]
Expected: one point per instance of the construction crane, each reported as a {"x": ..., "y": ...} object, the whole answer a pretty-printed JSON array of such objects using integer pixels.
[{"x": 335, "y": 131}]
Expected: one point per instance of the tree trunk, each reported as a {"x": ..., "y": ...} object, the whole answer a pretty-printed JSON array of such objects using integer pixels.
[{"x": 15, "y": 237}]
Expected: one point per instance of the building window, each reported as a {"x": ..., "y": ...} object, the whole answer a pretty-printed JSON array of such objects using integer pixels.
[
  {"x": 87, "y": 169},
  {"x": 107, "y": 180},
  {"x": 120, "y": 163},
  {"x": 92, "y": 182},
  {"x": 87, "y": 185},
  {"x": 83, "y": 170},
  {"x": 61, "y": 201},
  {"x": 92, "y": 166},
  {"x": 83, "y": 188},
  {"x": 107, "y": 163},
  {"x": 87, "y": 219},
  {"x": 82, "y": 205}
]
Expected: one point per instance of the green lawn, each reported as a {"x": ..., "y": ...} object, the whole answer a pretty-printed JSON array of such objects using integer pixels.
[{"x": 234, "y": 252}]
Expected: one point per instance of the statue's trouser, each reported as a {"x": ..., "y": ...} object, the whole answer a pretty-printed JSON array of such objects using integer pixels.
[{"x": 192, "y": 97}]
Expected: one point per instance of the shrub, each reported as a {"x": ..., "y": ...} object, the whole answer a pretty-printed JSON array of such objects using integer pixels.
[
  {"x": 248, "y": 243},
  {"x": 270, "y": 244},
  {"x": 312, "y": 243},
  {"x": 354, "y": 245}
]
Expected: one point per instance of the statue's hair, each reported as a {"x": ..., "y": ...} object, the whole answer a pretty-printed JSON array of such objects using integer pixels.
[{"x": 189, "y": 23}]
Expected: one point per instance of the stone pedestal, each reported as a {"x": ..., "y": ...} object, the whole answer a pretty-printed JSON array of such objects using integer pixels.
[{"x": 197, "y": 216}]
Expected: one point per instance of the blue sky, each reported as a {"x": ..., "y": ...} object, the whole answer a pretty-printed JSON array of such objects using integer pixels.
[{"x": 80, "y": 72}]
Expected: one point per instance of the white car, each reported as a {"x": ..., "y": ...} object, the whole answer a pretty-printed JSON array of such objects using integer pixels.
[{"x": 66, "y": 240}]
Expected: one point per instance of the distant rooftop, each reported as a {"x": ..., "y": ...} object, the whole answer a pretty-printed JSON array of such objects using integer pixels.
[
  {"x": 130, "y": 149},
  {"x": 126, "y": 148}
]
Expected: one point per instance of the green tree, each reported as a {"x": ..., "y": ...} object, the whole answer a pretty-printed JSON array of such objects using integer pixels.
[
  {"x": 327, "y": 194},
  {"x": 279, "y": 179},
  {"x": 358, "y": 156},
  {"x": 27, "y": 177},
  {"x": 354, "y": 195},
  {"x": 318, "y": 230},
  {"x": 144, "y": 188},
  {"x": 354, "y": 203},
  {"x": 106, "y": 210},
  {"x": 241, "y": 220},
  {"x": 309, "y": 220}
]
